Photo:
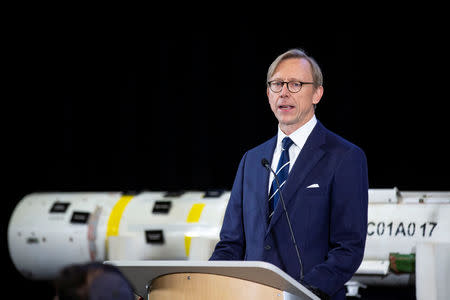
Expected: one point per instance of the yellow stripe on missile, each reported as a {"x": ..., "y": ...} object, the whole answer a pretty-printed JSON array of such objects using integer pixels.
[
  {"x": 112, "y": 228},
  {"x": 195, "y": 213},
  {"x": 193, "y": 217},
  {"x": 187, "y": 244}
]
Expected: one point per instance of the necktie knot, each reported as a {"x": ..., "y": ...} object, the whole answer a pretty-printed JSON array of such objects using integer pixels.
[{"x": 286, "y": 143}]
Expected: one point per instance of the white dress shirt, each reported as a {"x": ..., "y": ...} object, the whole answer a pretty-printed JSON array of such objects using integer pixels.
[{"x": 299, "y": 138}]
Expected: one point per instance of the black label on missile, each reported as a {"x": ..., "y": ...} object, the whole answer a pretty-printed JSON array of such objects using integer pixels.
[
  {"x": 154, "y": 236},
  {"x": 79, "y": 217},
  {"x": 59, "y": 207},
  {"x": 162, "y": 207},
  {"x": 173, "y": 194},
  {"x": 213, "y": 194}
]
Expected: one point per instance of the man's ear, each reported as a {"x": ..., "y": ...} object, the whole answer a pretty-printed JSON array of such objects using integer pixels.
[{"x": 318, "y": 93}]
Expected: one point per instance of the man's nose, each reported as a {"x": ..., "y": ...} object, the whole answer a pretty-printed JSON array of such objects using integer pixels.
[{"x": 284, "y": 90}]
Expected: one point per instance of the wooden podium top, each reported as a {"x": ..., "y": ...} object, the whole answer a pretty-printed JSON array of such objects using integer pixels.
[{"x": 143, "y": 272}]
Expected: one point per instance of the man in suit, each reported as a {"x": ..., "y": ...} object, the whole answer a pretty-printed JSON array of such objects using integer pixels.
[{"x": 323, "y": 183}]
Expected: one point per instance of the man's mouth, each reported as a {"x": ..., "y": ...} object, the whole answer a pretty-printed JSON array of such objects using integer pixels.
[{"x": 285, "y": 107}]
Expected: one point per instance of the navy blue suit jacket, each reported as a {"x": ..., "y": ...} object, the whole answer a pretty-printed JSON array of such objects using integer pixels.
[{"x": 329, "y": 222}]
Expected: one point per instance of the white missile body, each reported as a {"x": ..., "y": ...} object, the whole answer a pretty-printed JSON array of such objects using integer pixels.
[
  {"x": 48, "y": 231},
  {"x": 407, "y": 223}
]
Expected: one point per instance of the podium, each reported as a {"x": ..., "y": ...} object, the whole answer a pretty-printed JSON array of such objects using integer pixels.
[{"x": 199, "y": 280}]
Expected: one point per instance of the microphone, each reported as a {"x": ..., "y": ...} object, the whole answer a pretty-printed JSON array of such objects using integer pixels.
[{"x": 266, "y": 165}]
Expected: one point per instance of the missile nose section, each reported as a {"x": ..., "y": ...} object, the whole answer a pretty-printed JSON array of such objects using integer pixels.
[{"x": 48, "y": 231}]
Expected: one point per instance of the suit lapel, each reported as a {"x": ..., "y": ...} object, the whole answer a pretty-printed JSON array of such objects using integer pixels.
[
  {"x": 310, "y": 154},
  {"x": 262, "y": 179}
]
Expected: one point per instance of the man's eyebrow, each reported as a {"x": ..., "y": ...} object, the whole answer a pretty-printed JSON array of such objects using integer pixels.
[{"x": 289, "y": 79}]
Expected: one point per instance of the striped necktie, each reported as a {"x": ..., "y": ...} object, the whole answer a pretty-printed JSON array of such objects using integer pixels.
[{"x": 282, "y": 173}]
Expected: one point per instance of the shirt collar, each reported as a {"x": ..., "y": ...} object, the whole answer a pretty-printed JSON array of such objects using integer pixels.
[{"x": 300, "y": 135}]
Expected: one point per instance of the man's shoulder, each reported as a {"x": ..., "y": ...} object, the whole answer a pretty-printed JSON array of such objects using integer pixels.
[
  {"x": 270, "y": 143},
  {"x": 263, "y": 150},
  {"x": 336, "y": 142}
]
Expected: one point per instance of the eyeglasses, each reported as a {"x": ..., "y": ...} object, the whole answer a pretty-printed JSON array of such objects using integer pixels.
[{"x": 293, "y": 86}]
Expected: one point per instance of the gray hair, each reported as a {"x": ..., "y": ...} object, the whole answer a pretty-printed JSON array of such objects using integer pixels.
[{"x": 298, "y": 53}]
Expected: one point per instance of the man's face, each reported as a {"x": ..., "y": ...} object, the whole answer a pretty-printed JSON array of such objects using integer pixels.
[{"x": 294, "y": 109}]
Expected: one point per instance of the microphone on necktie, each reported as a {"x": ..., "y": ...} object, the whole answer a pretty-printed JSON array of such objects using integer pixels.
[{"x": 266, "y": 164}]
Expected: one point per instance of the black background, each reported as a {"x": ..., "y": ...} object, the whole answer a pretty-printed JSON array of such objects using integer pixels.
[{"x": 107, "y": 105}]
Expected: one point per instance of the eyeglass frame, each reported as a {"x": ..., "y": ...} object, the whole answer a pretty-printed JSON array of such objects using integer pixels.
[{"x": 287, "y": 85}]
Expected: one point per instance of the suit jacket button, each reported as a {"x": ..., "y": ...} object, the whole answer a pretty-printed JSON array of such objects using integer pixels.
[{"x": 267, "y": 247}]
